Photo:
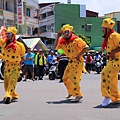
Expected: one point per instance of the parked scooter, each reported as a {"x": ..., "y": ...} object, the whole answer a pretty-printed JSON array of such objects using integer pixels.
[
  {"x": 53, "y": 71},
  {"x": 98, "y": 66}
]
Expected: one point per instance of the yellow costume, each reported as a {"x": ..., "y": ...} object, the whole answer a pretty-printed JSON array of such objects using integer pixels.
[
  {"x": 73, "y": 71},
  {"x": 109, "y": 83},
  {"x": 12, "y": 56}
]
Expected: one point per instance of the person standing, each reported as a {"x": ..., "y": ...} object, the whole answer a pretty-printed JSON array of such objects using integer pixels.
[
  {"x": 29, "y": 64},
  {"x": 63, "y": 62},
  {"x": 89, "y": 61},
  {"x": 50, "y": 58},
  {"x": 74, "y": 48},
  {"x": 40, "y": 62},
  {"x": 35, "y": 51},
  {"x": 109, "y": 75},
  {"x": 12, "y": 53}
]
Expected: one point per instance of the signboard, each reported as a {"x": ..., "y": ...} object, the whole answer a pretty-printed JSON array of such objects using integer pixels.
[{"x": 20, "y": 16}]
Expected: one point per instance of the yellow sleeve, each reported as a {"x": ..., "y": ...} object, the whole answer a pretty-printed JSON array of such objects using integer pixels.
[
  {"x": 44, "y": 60},
  {"x": 116, "y": 39},
  {"x": 59, "y": 46},
  {"x": 36, "y": 59},
  {"x": 1, "y": 42},
  {"x": 22, "y": 52},
  {"x": 80, "y": 43}
]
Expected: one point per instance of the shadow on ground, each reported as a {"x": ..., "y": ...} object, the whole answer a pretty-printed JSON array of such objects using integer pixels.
[
  {"x": 111, "y": 105},
  {"x": 63, "y": 102},
  {"x": 13, "y": 101}
]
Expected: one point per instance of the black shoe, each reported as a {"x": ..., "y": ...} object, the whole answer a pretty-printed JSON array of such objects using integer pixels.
[
  {"x": 60, "y": 81},
  {"x": 24, "y": 80},
  {"x": 7, "y": 100},
  {"x": 32, "y": 79},
  {"x": 40, "y": 78}
]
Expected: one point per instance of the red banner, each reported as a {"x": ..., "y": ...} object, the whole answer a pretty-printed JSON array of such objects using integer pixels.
[{"x": 20, "y": 17}]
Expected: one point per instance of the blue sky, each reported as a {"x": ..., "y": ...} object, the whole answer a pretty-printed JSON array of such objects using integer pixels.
[{"x": 100, "y": 6}]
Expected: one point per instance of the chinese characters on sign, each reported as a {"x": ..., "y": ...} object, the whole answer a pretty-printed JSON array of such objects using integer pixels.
[{"x": 20, "y": 12}]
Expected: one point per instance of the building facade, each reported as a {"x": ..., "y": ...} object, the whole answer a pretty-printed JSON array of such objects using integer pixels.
[
  {"x": 85, "y": 22},
  {"x": 8, "y": 15}
]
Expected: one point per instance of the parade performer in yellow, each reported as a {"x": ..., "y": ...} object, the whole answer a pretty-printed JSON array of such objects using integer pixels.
[
  {"x": 74, "y": 48},
  {"x": 12, "y": 53},
  {"x": 109, "y": 75}
]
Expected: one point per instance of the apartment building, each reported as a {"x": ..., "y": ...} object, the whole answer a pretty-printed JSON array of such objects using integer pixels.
[
  {"x": 9, "y": 15},
  {"x": 54, "y": 15}
]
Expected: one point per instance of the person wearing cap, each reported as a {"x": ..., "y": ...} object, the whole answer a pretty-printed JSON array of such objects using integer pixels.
[
  {"x": 74, "y": 48},
  {"x": 40, "y": 62},
  {"x": 35, "y": 51},
  {"x": 12, "y": 53},
  {"x": 109, "y": 75}
]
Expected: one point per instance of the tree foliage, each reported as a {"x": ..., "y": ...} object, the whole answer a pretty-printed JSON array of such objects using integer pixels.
[{"x": 84, "y": 38}]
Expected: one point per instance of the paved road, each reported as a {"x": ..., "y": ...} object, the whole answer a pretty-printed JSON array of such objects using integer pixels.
[{"x": 45, "y": 100}]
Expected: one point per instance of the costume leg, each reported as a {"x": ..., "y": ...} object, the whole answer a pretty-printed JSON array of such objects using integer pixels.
[
  {"x": 66, "y": 81},
  {"x": 75, "y": 77},
  {"x": 11, "y": 76},
  {"x": 109, "y": 83}
]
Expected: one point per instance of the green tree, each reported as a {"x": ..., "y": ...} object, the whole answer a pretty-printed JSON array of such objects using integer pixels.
[{"x": 86, "y": 39}]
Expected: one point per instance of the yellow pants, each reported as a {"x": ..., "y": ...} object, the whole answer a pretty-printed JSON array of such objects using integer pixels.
[
  {"x": 72, "y": 77},
  {"x": 11, "y": 75},
  {"x": 109, "y": 82}
]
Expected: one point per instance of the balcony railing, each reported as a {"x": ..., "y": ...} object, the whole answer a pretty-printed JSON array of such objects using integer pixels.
[
  {"x": 8, "y": 14},
  {"x": 31, "y": 20}
]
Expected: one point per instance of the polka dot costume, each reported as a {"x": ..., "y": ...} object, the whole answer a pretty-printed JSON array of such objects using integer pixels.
[
  {"x": 73, "y": 71},
  {"x": 12, "y": 67},
  {"x": 109, "y": 82}
]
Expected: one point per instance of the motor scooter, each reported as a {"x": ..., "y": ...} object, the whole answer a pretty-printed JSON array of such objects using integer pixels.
[
  {"x": 53, "y": 71},
  {"x": 98, "y": 66}
]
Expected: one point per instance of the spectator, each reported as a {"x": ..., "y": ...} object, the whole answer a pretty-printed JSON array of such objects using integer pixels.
[
  {"x": 40, "y": 62},
  {"x": 50, "y": 58},
  {"x": 89, "y": 61},
  {"x": 29, "y": 64},
  {"x": 63, "y": 62}
]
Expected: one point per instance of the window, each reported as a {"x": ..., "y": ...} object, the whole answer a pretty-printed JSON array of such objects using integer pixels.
[
  {"x": 43, "y": 16},
  {"x": 50, "y": 13},
  {"x": 43, "y": 29},
  {"x": 88, "y": 27},
  {"x": 28, "y": 12}
]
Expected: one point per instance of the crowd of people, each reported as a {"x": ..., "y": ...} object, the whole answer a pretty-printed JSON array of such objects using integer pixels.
[
  {"x": 72, "y": 62},
  {"x": 36, "y": 64},
  {"x": 91, "y": 59}
]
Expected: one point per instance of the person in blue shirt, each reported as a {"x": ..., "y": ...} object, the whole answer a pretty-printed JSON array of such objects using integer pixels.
[
  {"x": 29, "y": 63},
  {"x": 50, "y": 58}
]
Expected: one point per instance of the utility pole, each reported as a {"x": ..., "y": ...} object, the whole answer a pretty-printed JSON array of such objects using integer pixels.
[
  {"x": 38, "y": 16},
  {"x": 3, "y": 12},
  {"x": 15, "y": 8}
]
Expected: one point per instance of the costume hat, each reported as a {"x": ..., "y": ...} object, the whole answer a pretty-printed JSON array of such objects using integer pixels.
[
  {"x": 67, "y": 27},
  {"x": 13, "y": 30},
  {"x": 108, "y": 23}
]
